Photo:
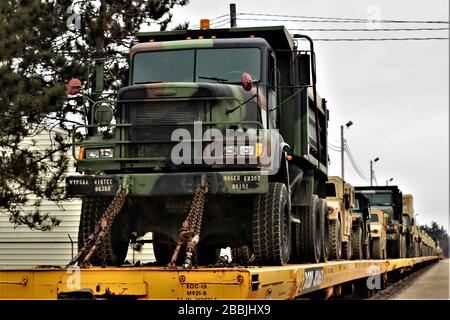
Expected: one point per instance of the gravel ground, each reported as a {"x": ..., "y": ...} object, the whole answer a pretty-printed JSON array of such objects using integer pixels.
[{"x": 434, "y": 276}]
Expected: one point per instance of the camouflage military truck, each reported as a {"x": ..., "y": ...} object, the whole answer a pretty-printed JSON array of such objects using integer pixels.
[
  {"x": 416, "y": 239},
  {"x": 389, "y": 200},
  {"x": 408, "y": 225},
  {"x": 378, "y": 225},
  {"x": 152, "y": 144},
  {"x": 340, "y": 204},
  {"x": 360, "y": 226},
  {"x": 424, "y": 242},
  {"x": 428, "y": 244}
]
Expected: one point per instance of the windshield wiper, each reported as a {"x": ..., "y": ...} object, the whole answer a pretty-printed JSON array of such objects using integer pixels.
[
  {"x": 219, "y": 80},
  {"x": 144, "y": 82}
]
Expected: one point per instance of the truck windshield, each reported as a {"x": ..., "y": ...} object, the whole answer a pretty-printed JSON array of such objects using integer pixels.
[
  {"x": 374, "y": 217},
  {"x": 196, "y": 65},
  {"x": 379, "y": 199}
]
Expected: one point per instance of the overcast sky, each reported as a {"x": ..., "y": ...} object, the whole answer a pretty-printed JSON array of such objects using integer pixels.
[{"x": 395, "y": 92}]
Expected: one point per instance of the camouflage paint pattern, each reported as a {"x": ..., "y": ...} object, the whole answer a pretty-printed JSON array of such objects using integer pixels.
[{"x": 293, "y": 118}]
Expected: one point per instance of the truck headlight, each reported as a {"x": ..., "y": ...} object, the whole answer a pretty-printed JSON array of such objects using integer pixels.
[
  {"x": 92, "y": 154},
  {"x": 246, "y": 150},
  {"x": 107, "y": 153},
  {"x": 229, "y": 151},
  {"x": 99, "y": 153}
]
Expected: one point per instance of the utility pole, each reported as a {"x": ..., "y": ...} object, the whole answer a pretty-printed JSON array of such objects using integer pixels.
[
  {"x": 371, "y": 170},
  {"x": 100, "y": 48},
  {"x": 233, "y": 15},
  {"x": 371, "y": 174},
  {"x": 342, "y": 152},
  {"x": 348, "y": 124}
]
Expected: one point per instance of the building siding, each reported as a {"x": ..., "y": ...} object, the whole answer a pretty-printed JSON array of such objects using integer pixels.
[{"x": 22, "y": 247}]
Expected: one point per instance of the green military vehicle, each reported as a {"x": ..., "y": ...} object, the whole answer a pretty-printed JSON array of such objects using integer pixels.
[
  {"x": 416, "y": 239},
  {"x": 408, "y": 223},
  {"x": 340, "y": 204},
  {"x": 389, "y": 200},
  {"x": 378, "y": 226},
  {"x": 361, "y": 226},
  {"x": 150, "y": 150}
]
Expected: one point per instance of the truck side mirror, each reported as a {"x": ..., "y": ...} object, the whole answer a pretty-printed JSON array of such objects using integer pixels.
[
  {"x": 347, "y": 201},
  {"x": 304, "y": 69},
  {"x": 73, "y": 87},
  {"x": 246, "y": 81}
]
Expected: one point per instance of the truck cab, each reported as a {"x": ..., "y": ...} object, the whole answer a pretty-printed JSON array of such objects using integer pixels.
[{"x": 389, "y": 200}]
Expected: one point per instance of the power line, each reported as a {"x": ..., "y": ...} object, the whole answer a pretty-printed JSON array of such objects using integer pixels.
[
  {"x": 221, "y": 21},
  {"x": 333, "y": 145},
  {"x": 347, "y": 149},
  {"x": 358, "y": 173},
  {"x": 224, "y": 23},
  {"x": 335, "y": 19},
  {"x": 367, "y": 29},
  {"x": 334, "y": 148},
  {"x": 213, "y": 19},
  {"x": 355, "y": 165},
  {"x": 380, "y": 39},
  {"x": 374, "y": 177}
]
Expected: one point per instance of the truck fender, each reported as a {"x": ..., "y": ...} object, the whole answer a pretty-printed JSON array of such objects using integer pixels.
[{"x": 333, "y": 212}]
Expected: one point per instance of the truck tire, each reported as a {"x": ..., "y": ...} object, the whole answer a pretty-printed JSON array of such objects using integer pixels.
[
  {"x": 357, "y": 243},
  {"x": 162, "y": 251},
  {"x": 377, "y": 250},
  {"x": 416, "y": 250},
  {"x": 241, "y": 255},
  {"x": 347, "y": 247},
  {"x": 325, "y": 232},
  {"x": 395, "y": 247},
  {"x": 335, "y": 239},
  {"x": 272, "y": 226},
  {"x": 113, "y": 250},
  {"x": 207, "y": 255},
  {"x": 309, "y": 240},
  {"x": 404, "y": 247},
  {"x": 366, "y": 247},
  {"x": 366, "y": 251}
]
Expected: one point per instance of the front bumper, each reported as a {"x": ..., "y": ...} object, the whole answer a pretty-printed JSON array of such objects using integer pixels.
[{"x": 168, "y": 184}]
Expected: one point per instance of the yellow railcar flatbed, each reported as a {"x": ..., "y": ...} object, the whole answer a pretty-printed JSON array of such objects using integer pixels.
[{"x": 286, "y": 282}]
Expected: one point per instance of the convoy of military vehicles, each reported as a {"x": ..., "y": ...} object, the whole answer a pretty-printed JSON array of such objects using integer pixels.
[{"x": 267, "y": 196}]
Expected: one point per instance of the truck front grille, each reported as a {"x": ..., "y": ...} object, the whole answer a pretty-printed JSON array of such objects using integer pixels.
[
  {"x": 154, "y": 122},
  {"x": 150, "y": 150}
]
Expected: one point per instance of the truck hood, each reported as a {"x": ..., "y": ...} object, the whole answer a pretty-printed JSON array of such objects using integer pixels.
[
  {"x": 386, "y": 209},
  {"x": 221, "y": 98},
  {"x": 176, "y": 90}
]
